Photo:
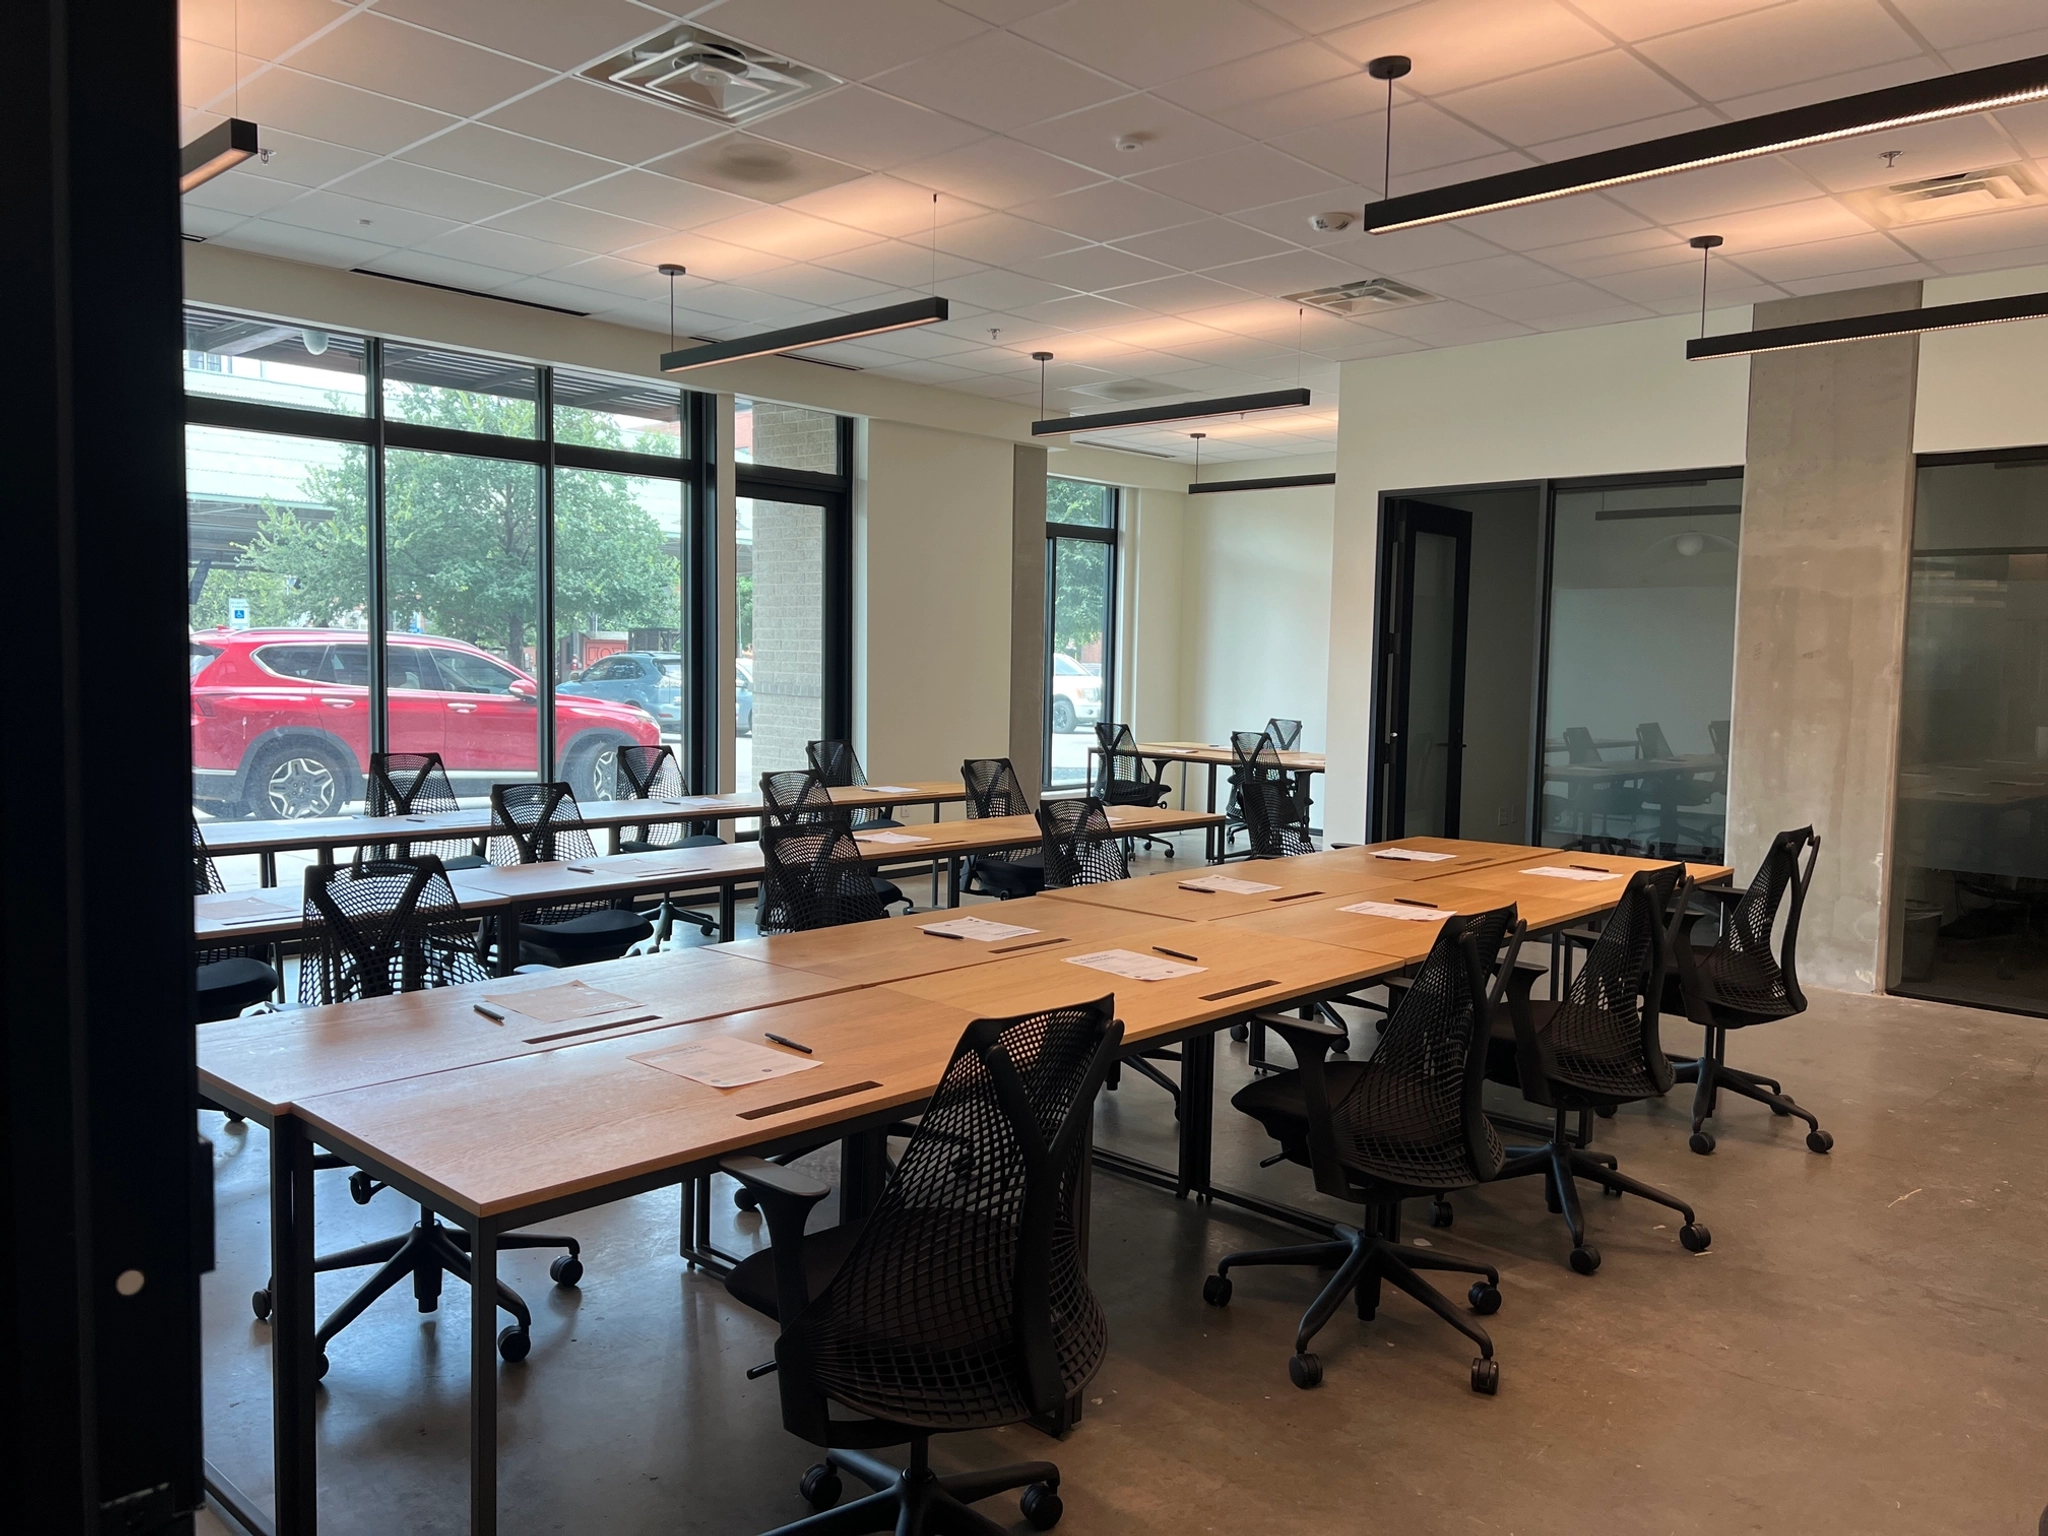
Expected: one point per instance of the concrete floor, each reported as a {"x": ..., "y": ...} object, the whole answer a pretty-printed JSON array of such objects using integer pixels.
[{"x": 1864, "y": 1348}]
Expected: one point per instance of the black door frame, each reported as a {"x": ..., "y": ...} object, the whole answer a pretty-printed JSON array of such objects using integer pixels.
[
  {"x": 1084, "y": 534},
  {"x": 1400, "y": 518}
]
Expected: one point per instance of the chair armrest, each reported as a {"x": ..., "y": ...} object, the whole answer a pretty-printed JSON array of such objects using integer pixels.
[
  {"x": 1310, "y": 1040},
  {"x": 786, "y": 1199}
]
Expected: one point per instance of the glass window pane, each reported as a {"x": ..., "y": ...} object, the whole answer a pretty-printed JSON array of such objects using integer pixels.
[
  {"x": 1971, "y": 834},
  {"x": 1642, "y": 655},
  {"x": 272, "y": 364},
  {"x": 630, "y": 414},
  {"x": 780, "y": 606},
  {"x": 618, "y": 620},
  {"x": 1079, "y": 571},
  {"x": 279, "y": 567},
  {"x": 786, "y": 436},
  {"x": 1079, "y": 501},
  {"x": 454, "y": 389},
  {"x": 462, "y": 578}
]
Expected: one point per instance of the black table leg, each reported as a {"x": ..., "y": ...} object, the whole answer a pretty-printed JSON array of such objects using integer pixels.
[
  {"x": 953, "y": 881},
  {"x": 1197, "y": 1111},
  {"x": 728, "y": 911},
  {"x": 483, "y": 1382},
  {"x": 293, "y": 1374},
  {"x": 863, "y": 1169}
]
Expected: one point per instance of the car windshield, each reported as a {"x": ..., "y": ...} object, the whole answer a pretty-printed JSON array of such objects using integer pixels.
[{"x": 1064, "y": 665}]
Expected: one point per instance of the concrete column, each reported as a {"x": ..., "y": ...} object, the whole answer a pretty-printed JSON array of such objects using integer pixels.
[
  {"x": 1827, "y": 511},
  {"x": 1027, "y": 615}
]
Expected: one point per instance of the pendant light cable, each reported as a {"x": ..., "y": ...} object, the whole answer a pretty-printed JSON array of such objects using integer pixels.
[
  {"x": 1705, "y": 245},
  {"x": 1389, "y": 67},
  {"x": 672, "y": 271},
  {"x": 1198, "y": 436},
  {"x": 1041, "y": 358}
]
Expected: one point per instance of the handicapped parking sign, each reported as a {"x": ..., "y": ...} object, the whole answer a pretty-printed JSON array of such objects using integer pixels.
[{"x": 238, "y": 613}]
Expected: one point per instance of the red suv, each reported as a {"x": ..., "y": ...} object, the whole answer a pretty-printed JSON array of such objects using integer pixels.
[{"x": 280, "y": 720}]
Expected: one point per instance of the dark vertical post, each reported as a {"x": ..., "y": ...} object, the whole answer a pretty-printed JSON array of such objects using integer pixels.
[
  {"x": 380, "y": 601},
  {"x": 544, "y": 648},
  {"x": 700, "y": 594}
]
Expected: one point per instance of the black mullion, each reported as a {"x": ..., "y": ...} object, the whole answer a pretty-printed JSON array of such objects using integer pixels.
[
  {"x": 380, "y": 602},
  {"x": 837, "y": 713},
  {"x": 774, "y": 479},
  {"x": 700, "y": 606},
  {"x": 247, "y": 416},
  {"x": 476, "y": 445},
  {"x": 544, "y": 652},
  {"x": 620, "y": 461},
  {"x": 1547, "y": 502}
]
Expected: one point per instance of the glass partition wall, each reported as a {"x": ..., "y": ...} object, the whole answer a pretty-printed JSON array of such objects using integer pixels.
[
  {"x": 1969, "y": 915},
  {"x": 1080, "y": 629}
]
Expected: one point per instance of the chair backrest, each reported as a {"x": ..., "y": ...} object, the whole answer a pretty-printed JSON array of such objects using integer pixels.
[
  {"x": 1603, "y": 1038},
  {"x": 993, "y": 788},
  {"x": 1265, "y": 799},
  {"x": 1578, "y": 745},
  {"x": 1740, "y": 973},
  {"x": 1080, "y": 846},
  {"x": 536, "y": 823},
  {"x": 1414, "y": 1117},
  {"x": 206, "y": 879},
  {"x": 964, "y": 1301},
  {"x": 1120, "y": 774},
  {"x": 796, "y": 796},
  {"x": 1717, "y": 733},
  {"x": 409, "y": 784},
  {"x": 836, "y": 763},
  {"x": 813, "y": 876},
  {"x": 1286, "y": 734},
  {"x": 1650, "y": 741},
  {"x": 383, "y": 926},
  {"x": 647, "y": 773}
]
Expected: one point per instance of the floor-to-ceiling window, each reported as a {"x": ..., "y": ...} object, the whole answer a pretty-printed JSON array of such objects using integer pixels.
[
  {"x": 516, "y": 535},
  {"x": 1080, "y": 627},
  {"x": 1970, "y": 838}
]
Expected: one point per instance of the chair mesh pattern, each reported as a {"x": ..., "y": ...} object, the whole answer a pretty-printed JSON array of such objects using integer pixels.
[
  {"x": 410, "y": 784},
  {"x": 1601, "y": 1040},
  {"x": 923, "y": 1324},
  {"x": 1412, "y": 1118},
  {"x": 1080, "y": 846},
  {"x": 837, "y": 766},
  {"x": 383, "y": 926},
  {"x": 541, "y": 824},
  {"x": 798, "y": 797},
  {"x": 1265, "y": 798},
  {"x": 993, "y": 789},
  {"x": 649, "y": 773},
  {"x": 206, "y": 879},
  {"x": 813, "y": 876},
  {"x": 1121, "y": 776},
  {"x": 1286, "y": 734},
  {"x": 1740, "y": 971}
]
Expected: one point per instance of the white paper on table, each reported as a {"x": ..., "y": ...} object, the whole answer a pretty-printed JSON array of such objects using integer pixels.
[
  {"x": 558, "y": 1004},
  {"x": 979, "y": 929},
  {"x": 889, "y": 837},
  {"x": 725, "y": 1062},
  {"x": 1225, "y": 885},
  {"x": 1413, "y": 855},
  {"x": 242, "y": 909},
  {"x": 1132, "y": 966},
  {"x": 891, "y": 789},
  {"x": 1400, "y": 912},
  {"x": 1574, "y": 874}
]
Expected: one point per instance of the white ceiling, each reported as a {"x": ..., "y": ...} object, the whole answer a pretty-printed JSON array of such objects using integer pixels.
[{"x": 450, "y": 140}]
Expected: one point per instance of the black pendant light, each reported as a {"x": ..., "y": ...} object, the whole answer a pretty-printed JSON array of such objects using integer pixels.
[
  {"x": 222, "y": 147},
  {"x": 1899, "y": 322},
  {"x": 1189, "y": 410}
]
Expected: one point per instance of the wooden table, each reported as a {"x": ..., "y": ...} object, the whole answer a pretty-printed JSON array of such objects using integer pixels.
[
  {"x": 1652, "y": 771},
  {"x": 1215, "y": 758}
]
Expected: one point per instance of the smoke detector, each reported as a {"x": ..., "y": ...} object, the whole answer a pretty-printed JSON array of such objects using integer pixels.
[
  {"x": 1364, "y": 296},
  {"x": 1954, "y": 196},
  {"x": 709, "y": 76},
  {"x": 1338, "y": 218}
]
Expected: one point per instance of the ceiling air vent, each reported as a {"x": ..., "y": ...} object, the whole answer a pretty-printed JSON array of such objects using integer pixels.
[
  {"x": 1954, "y": 196},
  {"x": 1363, "y": 297},
  {"x": 710, "y": 76}
]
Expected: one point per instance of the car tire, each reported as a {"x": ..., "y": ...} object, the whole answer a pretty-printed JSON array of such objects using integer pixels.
[
  {"x": 1062, "y": 717},
  {"x": 591, "y": 767},
  {"x": 289, "y": 780}
]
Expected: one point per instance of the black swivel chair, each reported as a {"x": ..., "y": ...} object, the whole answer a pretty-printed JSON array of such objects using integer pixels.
[
  {"x": 838, "y": 766},
  {"x": 1738, "y": 983},
  {"x": 374, "y": 929},
  {"x": 1405, "y": 1123},
  {"x": 1286, "y": 736},
  {"x": 993, "y": 789},
  {"x": 1596, "y": 1049},
  {"x": 802, "y": 797},
  {"x": 227, "y": 978},
  {"x": 1274, "y": 818},
  {"x": 415, "y": 784},
  {"x": 1080, "y": 846},
  {"x": 962, "y": 1302},
  {"x": 1589, "y": 808},
  {"x": 1677, "y": 791},
  {"x": 1121, "y": 776},
  {"x": 813, "y": 876},
  {"x": 652, "y": 773},
  {"x": 541, "y": 823}
]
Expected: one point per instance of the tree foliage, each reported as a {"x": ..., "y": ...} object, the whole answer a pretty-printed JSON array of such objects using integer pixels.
[{"x": 1080, "y": 607}]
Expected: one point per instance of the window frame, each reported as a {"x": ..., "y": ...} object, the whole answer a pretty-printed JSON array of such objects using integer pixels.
[{"x": 1110, "y": 534}]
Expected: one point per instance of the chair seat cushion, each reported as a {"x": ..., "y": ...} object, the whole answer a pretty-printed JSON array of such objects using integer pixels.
[
  {"x": 1275, "y": 1101},
  {"x": 228, "y": 986},
  {"x": 889, "y": 891},
  {"x": 1021, "y": 876},
  {"x": 752, "y": 1280},
  {"x": 648, "y": 845},
  {"x": 611, "y": 926}
]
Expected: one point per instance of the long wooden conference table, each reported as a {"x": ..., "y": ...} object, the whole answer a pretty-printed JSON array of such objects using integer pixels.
[{"x": 496, "y": 1126}]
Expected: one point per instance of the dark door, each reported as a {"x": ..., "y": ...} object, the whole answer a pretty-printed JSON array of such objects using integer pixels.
[{"x": 1425, "y": 580}]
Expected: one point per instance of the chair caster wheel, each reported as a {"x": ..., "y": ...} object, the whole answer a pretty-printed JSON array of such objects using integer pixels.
[
  {"x": 1485, "y": 1297},
  {"x": 1216, "y": 1290},
  {"x": 1486, "y": 1376},
  {"x": 513, "y": 1344},
  {"x": 566, "y": 1270},
  {"x": 1694, "y": 1238},
  {"x": 745, "y": 1199},
  {"x": 1041, "y": 1506},
  {"x": 1585, "y": 1260},
  {"x": 1305, "y": 1371},
  {"x": 1240, "y": 1033},
  {"x": 1341, "y": 1047},
  {"x": 259, "y": 1303},
  {"x": 361, "y": 1187},
  {"x": 708, "y": 932},
  {"x": 320, "y": 1366},
  {"x": 1441, "y": 1214},
  {"x": 1701, "y": 1142},
  {"x": 1819, "y": 1141},
  {"x": 821, "y": 1487},
  {"x": 1605, "y": 1111}
]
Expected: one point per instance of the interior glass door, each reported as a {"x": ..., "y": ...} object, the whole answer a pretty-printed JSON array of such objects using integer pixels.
[{"x": 1425, "y": 594}]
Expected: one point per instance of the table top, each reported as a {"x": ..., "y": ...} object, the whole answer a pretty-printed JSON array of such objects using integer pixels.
[
  {"x": 1167, "y": 895},
  {"x": 1465, "y": 854},
  {"x": 1998, "y": 787},
  {"x": 1635, "y": 768},
  {"x": 1222, "y": 757}
]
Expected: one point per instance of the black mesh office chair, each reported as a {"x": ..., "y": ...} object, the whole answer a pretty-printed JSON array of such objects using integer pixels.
[
  {"x": 1286, "y": 734},
  {"x": 1738, "y": 982},
  {"x": 1407, "y": 1122},
  {"x": 802, "y": 797},
  {"x": 1597, "y": 1048},
  {"x": 813, "y": 876},
  {"x": 230, "y": 977},
  {"x": 415, "y": 784},
  {"x": 541, "y": 823},
  {"x": 1080, "y": 847},
  {"x": 1122, "y": 777},
  {"x": 371, "y": 930},
  {"x": 838, "y": 766},
  {"x": 1677, "y": 791},
  {"x": 962, "y": 1302},
  {"x": 1273, "y": 816},
  {"x": 652, "y": 773},
  {"x": 1587, "y": 809},
  {"x": 993, "y": 789}
]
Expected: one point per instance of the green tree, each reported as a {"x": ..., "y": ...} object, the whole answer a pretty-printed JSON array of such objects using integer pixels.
[{"x": 1080, "y": 598}]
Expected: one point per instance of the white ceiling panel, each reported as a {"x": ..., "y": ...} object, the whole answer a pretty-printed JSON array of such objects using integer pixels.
[
  {"x": 1083, "y": 312},
  {"x": 656, "y": 199},
  {"x": 1294, "y": 272},
  {"x": 1931, "y": 149},
  {"x": 1817, "y": 258},
  {"x": 1855, "y": 82},
  {"x": 1632, "y": 21},
  {"x": 575, "y": 114},
  {"x": 748, "y": 166},
  {"x": 788, "y": 234},
  {"x": 867, "y": 128},
  {"x": 560, "y": 295},
  {"x": 1178, "y": 295},
  {"x": 999, "y": 81},
  {"x": 242, "y": 196},
  {"x": 203, "y": 222},
  {"x": 1952, "y": 23},
  {"x": 1466, "y": 42},
  {"x": 340, "y": 114},
  {"x": 1147, "y": 41},
  {"x": 416, "y": 187},
  {"x": 809, "y": 284},
  {"x": 1583, "y": 95},
  {"x": 1717, "y": 190},
  {"x": 293, "y": 243},
  {"x": 490, "y": 154},
  {"x": 375, "y": 53},
  {"x": 999, "y": 173},
  {"x": 1493, "y": 274},
  {"x": 1352, "y": 94},
  {"x": 851, "y": 41},
  {"x": 899, "y": 264},
  {"x": 1001, "y": 240},
  {"x": 266, "y": 31},
  {"x": 359, "y": 219},
  {"x": 1166, "y": 135},
  {"x": 497, "y": 248},
  {"x": 543, "y": 32},
  {"x": 1557, "y": 222},
  {"x": 1109, "y": 210},
  {"x": 1278, "y": 72},
  {"x": 886, "y": 205},
  {"x": 712, "y": 261},
  {"x": 1092, "y": 268},
  {"x": 583, "y": 228},
  {"x": 1556, "y": 300},
  {"x": 1206, "y": 243},
  {"x": 1240, "y": 178},
  {"x": 993, "y": 289},
  {"x": 1763, "y": 50}
]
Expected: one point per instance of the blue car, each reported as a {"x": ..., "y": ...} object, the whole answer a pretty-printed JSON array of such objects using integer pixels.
[
  {"x": 649, "y": 680},
  {"x": 743, "y": 700}
]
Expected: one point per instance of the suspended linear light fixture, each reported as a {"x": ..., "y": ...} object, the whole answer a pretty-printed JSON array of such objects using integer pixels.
[
  {"x": 1900, "y": 322},
  {"x": 1187, "y": 410},
  {"x": 1897, "y": 106},
  {"x": 221, "y": 148},
  {"x": 870, "y": 322}
]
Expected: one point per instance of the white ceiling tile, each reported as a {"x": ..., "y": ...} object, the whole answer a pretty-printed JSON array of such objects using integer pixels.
[
  {"x": 586, "y": 229},
  {"x": 358, "y": 219},
  {"x": 994, "y": 289},
  {"x": 490, "y": 154},
  {"x": 1621, "y": 253},
  {"x": 999, "y": 81},
  {"x": 243, "y": 196},
  {"x": 1093, "y": 268},
  {"x": 1632, "y": 21},
  {"x": 1167, "y": 135},
  {"x": 1493, "y": 274},
  {"x": 375, "y": 53},
  {"x": 1822, "y": 258},
  {"x": 257, "y": 31},
  {"x": 1940, "y": 242},
  {"x": 205, "y": 222},
  {"x": 999, "y": 173},
  {"x": 886, "y": 205},
  {"x": 204, "y": 71},
  {"x": 558, "y": 294},
  {"x": 1716, "y": 190},
  {"x": 1559, "y": 221},
  {"x": 787, "y": 234},
  {"x": 1179, "y": 294},
  {"x": 1839, "y": 282},
  {"x": 1147, "y": 41},
  {"x": 1763, "y": 50},
  {"x": 1447, "y": 324},
  {"x": 1109, "y": 210},
  {"x": 576, "y": 114},
  {"x": 293, "y": 243},
  {"x": 1000, "y": 13},
  {"x": 1673, "y": 290},
  {"x": 1996, "y": 261},
  {"x": 1278, "y": 72},
  {"x": 1532, "y": 305},
  {"x": 939, "y": 375},
  {"x": 2028, "y": 124},
  {"x": 1410, "y": 250},
  {"x": 1462, "y": 171},
  {"x": 1755, "y": 229},
  {"x": 1464, "y": 42},
  {"x": 496, "y": 248},
  {"x": 1240, "y": 178},
  {"x": 1575, "y": 319},
  {"x": 444, "y": 270},
  {"x": 1355, "y": 149},
  {"x": 1207, "y": 243},
  {"x": 656, "y": 199},
  {"x": 1931, "y": 149},
  {"x": 899, "y": 264},
  {"x": 748, "y": 166},
  {"x": 1661, "y": 126},
  {"x": 1948, "y": 23},
  {"x": 1875, "y": 77},
  {"x": 731, "y": 303},
  {"x": 400, "y": 184},
  {"x": 708, "y": 260},
  {"x": 810, "y": 284},
  {"x": 866, "y": 128},
  {"x": 542, "y": 31},
  {"x": 921, "y": 342},
  {"x": 1352, "y": 95},
  {"x": 618, "y": 275},
  {"x": 339, "y": 114},
  {"x": 851, "y": 41},
  {"x": 1001, "y": 240},
  {"x": 1291, "y": 272},
  {"x": 1578, "y": 96},
  {"x": 1084, "y": 312}
]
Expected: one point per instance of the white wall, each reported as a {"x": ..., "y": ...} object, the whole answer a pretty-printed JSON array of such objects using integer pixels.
[
  {"x": 1987, "y": 387},
  {"x": 1150, "y": 556}
]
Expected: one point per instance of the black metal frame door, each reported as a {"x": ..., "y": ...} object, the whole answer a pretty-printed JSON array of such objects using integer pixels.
[
  {"x": 1079, "y": 533},
  {"x": 1400, "y": 522}
]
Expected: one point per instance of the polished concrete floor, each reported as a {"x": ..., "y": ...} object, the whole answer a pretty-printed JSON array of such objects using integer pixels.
[{"x": 1863, "y": 1349}]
